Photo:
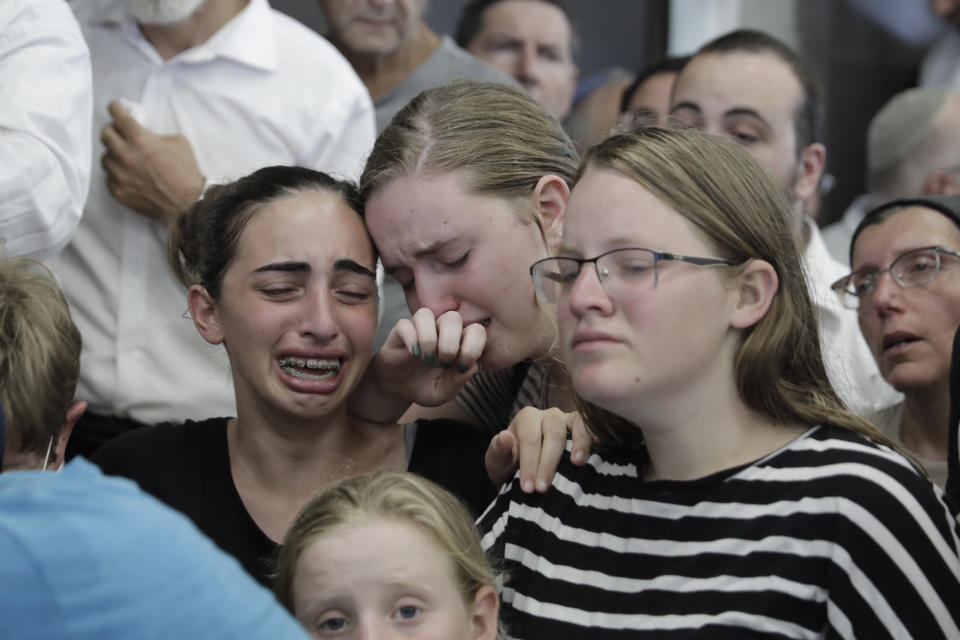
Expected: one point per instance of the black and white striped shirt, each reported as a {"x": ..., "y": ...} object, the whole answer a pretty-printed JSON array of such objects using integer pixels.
[{"x": 830, "y": 536}]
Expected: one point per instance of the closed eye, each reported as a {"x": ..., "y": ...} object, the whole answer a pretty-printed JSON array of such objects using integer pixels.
[{"x": 459, "y": 262}]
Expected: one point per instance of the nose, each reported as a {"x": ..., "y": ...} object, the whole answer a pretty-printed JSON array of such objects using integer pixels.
[
  {"x": 587, "y": 293},
  {"x": 433, "y": 293},
  {"x": 886, "y": 297},
  {"x": 370, "y": 628},
  {"x": 527, "y": 68},
  {"x": 317, "y": 319}
]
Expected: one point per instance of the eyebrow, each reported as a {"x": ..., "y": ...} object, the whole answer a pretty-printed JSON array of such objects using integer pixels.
[
  {"x": 355, "y": 267},
  {"x": 746, "y": 111},
  {"x": 685, "y": 105},
  {"x": 285, "y": 267},
  {"x": 302, "y": 267},
  {"x": 432, "y": 248}
]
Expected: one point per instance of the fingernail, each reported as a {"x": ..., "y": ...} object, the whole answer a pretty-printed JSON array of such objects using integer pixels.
[
  {"x": 416, "y": 350},
  {"x": 462, "y": 368},
  {"x": 577, "y": 456},
  {"x": 428, "y": 360},
  {"x": 444, "y": 364},
  {"x": 541, "y": 485},
  {"x": 528, "y": 486}
]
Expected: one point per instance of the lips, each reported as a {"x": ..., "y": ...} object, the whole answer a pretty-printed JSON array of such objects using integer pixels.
[
  {"x": 312, "y": 367},
  {"x": 898, "y": 338},
  {"x": 583, "y": 339}
]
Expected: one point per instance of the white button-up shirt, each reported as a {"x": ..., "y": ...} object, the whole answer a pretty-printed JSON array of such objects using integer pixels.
[
  {"x": 45, "y": 102},
  {"x": 263, "y": 90},
  {"x": 850, "y": 364}
]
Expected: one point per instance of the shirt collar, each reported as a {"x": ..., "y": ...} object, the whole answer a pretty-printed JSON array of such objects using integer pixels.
[
  {"x": 248, "y": 38},
  {"x": 822, "y": 270}
]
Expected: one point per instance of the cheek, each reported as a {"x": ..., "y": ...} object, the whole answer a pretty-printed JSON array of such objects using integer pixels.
[
  {"x": 360, "y": 323},
  {"x": 869, "y": 326}
]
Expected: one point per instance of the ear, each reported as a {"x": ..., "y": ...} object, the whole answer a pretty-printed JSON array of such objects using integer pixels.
[
  {"x": 758, "y": 285},
  {"x": 484, "y": 612},
  {"x": 810, "y": 167},
  {"x": 203, "y": 310},
  {"x": 74, "y": 411},
  {"x": 940, "y": 182},
  {"x": 550, "y": 200}
]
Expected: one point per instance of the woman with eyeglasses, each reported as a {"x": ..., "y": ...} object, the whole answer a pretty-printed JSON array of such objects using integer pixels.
[
  {"x": 731, "y": 494},
  {"x": 905, "y": 285}
]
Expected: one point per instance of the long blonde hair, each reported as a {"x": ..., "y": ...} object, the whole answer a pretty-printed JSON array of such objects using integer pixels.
[
  {"x": 732, "y": 201},
  {"x": 503, "y": 140}
]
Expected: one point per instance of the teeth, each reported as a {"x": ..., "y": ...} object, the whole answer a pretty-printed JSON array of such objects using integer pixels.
[{"x": 293, "y": 366}]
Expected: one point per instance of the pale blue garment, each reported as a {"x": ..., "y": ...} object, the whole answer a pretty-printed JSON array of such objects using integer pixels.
[{"x": 83, "y": 555}]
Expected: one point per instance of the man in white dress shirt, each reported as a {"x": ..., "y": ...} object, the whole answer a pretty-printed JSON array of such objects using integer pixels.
[
  {"x": 186, "y": 93},
  {"x": 45, "y": 102},
  {"x": 756, "y": 90}
]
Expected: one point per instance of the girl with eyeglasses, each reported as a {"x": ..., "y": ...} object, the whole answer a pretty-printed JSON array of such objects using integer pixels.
[
  {"x": 731, "y": 493},
  {"x": 905, "y": 285}
]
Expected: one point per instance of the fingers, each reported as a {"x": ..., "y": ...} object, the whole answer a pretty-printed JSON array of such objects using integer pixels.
[
  {"x": 554, "y": 442},
  {"x": 582, "y": 440},
  {"x": 426, "y": 325},
  {"x": 112, "y": 140},
  {"x": 472, "y": 342},
  {"x": 444, "y": 342},
  {"x": 528, "y": 429},
  {"x": 449, "y": 331},
  {"x": 407, "y": 334},
  {"x": 126, "y": 125},
  {"x": 541, "y": 438},
  {"x": 501, "y": 457}
]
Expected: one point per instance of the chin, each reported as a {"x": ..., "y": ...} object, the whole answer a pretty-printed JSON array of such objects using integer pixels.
[{"x": 600, "y": 388}]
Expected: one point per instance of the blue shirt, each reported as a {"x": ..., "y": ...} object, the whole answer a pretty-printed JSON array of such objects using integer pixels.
[{"x": 83, "y": 555}]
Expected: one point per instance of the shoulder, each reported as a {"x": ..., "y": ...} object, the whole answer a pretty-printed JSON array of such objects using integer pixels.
[
  {"x": 161, "y": 449},
  {"x": 577, "y": 499},
  {"x": 456, "y": 62},
  {"x": 488, "y": 396},
  {"x": 451, "y": 453},
  {"x": 309, "y": 54},
  {"x": 872, "y": 491}
]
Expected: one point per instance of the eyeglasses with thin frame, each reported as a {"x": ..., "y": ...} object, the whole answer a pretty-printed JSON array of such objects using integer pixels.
[
  {"x": 621, "y": 272},
  {"x": 913, "y": 268}
]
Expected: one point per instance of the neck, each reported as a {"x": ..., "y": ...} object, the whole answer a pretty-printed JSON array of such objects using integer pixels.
[
  {"x": 173, "y": 39},
  {"x": 559, "y": 390},
  {"x": 300, "y": 457},
  {"x": 704, "y": 428},
  {"x": 924, "y": 429},
  {"x": 382, "y": 73}
]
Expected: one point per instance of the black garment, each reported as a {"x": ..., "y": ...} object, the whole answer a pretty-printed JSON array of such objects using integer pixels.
[
  {"x": 187, "y": 466},
  {"x": 953, "y": 454},
  {"x": 93, "y": 430}
]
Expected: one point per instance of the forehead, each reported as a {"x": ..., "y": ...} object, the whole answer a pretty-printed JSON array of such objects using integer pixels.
[
  {"x": 607, "y": 209},
  {"x": 909, "y": 228},
  {"x": 373, "y": 552},
  {"x": 653, "y": 91},
  {"x": 305, "y": 223},
  {"x": 719, "y": 82},
  {"x": 529, "y": 18},
  {"x": 336, "y": 8}
]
